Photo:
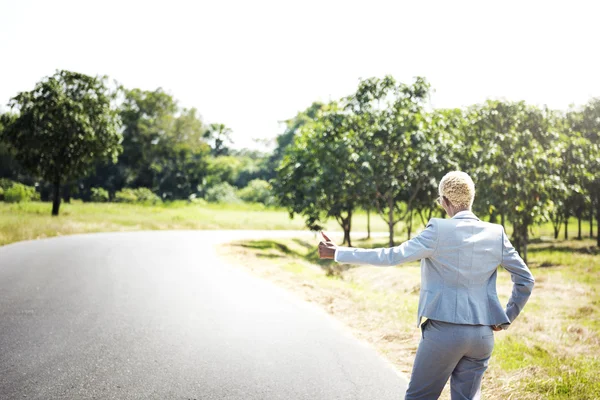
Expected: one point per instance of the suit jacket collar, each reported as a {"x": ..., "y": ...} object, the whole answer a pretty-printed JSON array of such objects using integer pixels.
[{"x": 465, "y": 215}]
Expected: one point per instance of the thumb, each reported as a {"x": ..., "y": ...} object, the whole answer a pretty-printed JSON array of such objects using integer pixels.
[{"x": 325, "y": 236}]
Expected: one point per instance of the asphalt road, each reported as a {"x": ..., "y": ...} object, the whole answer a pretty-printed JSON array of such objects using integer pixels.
[{"x": 157, "y": 315}]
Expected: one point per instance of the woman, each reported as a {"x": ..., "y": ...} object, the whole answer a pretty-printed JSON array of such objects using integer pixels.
[{"x": 459, "y": 260}]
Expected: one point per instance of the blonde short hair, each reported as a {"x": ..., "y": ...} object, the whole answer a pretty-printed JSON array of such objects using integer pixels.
[{"x": 458, "y": 188}]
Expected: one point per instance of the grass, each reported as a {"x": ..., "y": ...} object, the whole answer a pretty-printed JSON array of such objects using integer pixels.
[
  {"x": 25, "y": 221},
  {"x": 552, "y": 351}
]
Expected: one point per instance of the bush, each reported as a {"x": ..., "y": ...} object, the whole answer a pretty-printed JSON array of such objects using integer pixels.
[
  {"x": 193, "y": 199},
  {"x": 99, "y": 195},
  {"x": 125, "y": 196},
  {"x": 6, "y": 183},
  {"x": 145, "y": 195},
  {"x": 19, "y": 193},
  {"x": 257, "y": 191},
  {"x": 139, "y": 195},
  {"x": 222, "y": 193}
]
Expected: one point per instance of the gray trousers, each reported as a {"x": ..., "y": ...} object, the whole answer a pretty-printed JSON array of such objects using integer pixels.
[{"x": 449, "y": 350}]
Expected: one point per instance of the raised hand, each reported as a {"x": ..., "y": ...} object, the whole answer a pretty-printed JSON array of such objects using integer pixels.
[
  {"x": 325, "y": 237},
  {"x": 327, "y": 248}
]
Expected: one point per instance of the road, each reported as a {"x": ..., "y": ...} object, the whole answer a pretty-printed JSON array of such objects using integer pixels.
[{"x": 157, "y": 315}]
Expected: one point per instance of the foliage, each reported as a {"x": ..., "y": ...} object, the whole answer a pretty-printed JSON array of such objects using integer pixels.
[
  {"x": 6, "y": 183},
  {"x": 223, "y": 169},
  {"x": 145, "y": 195},
  {"x": 512, "y": 155},
  {"x": 321, "y": 174},
  {"x": 222, "y": 193},
  {"x": 218, "y": 136},
  {"x": 253, "y": 165},
  {"x": 65, "y": 125},
  {"x": 126, "y": 195},
  {"x": 257, "y": 191},
  {"x": 138, "y": 195},
  {"x": 99, "y": 195},
  {"x": 164, "y": 148},
  {"x": 19, "y": 193},
  {"x": 395, "y": 148},
  {"x": 588, "y": 123},
  {"x": 286, "y": 138}
]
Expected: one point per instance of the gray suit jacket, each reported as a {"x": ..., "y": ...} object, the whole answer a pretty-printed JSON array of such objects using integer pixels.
[{"x": 459, "y": 261}]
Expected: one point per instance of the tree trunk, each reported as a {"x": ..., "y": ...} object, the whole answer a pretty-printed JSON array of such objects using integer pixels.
[
  {"x": 556, "y": 230},
  {"x": 67, "y": 194},
  {"x": 525, "y": 238},
  {"x": 521, "y": 236},
  {"x": 347, "y": 237},
  {"x": 56, "y": 199},
  {"x": 591, "y": 222},
  {"x": 347, "y": 225},
  {"x": 567, "y": 227},
  {"x": 598, "y": 223},
  {"x": 598, "y": 228},
  {"x": 391, "y": 220},
  {"x": 517, "y": 238},
  {"x": 409, "y": 227},
  {"x": 579, "y": 218},
  {"x": 369, "y": 223}
]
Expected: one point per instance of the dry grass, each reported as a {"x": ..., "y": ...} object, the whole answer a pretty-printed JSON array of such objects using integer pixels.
[{"x": 551, "y": 351}]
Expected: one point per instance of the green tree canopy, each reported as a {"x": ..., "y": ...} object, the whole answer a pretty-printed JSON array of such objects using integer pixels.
[
  {"x": 64, "y": 125},
  {"x": 321, "y": 175},
  {"x": 390, "y": 118}
]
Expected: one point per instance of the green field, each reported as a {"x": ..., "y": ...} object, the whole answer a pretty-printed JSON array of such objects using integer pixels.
[{"x": 25, "y": 221}]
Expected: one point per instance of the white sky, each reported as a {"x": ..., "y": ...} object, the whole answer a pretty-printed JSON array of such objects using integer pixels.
[{"x": 252, "y": 63}]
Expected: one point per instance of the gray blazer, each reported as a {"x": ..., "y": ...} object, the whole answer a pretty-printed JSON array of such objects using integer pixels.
[{"x": 459, "y": 261}]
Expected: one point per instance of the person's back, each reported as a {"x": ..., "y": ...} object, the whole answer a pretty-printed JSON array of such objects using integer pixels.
[{"x": 458, "y": 280}]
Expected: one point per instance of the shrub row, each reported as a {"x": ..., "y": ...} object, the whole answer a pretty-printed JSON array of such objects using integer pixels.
[
  {"x": 257, "y": 191},
  {"x": 139, "y": 195}
]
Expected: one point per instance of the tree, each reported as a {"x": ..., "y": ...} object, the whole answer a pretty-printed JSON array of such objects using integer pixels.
[
  {"x": 218, "y": 136},
  {"x": 286, "y": 138},
  {"x": 516, "y": 164},
  {"x": 320, "y": 174},
  {"x": 164, "y": 146},
  {"x": 65, "y": 124},
  {"x": 223, "y": 169},
  {"x": 391, "y": 115},
  {"x": 589, "y": 126},
  {"x": 437, "y": 151},
  {"x": 147, "y": 119}
]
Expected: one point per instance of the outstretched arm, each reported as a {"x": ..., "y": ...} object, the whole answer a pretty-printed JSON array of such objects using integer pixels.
[{"x": 421, "y": 246}]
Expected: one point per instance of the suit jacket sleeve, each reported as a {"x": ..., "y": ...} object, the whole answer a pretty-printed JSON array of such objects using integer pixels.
[
  {"x": 421, "y": 246},
  {"x": 522, "y": 278}
]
